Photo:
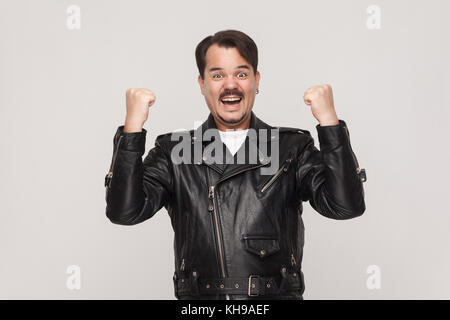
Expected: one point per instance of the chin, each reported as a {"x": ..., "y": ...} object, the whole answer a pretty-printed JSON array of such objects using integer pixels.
[{"x": 232, "y": 117}]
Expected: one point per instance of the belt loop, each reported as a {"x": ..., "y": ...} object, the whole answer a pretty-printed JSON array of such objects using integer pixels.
[
  {"x": 194, "y": 282},
  {"x": 284, "y": 281}
]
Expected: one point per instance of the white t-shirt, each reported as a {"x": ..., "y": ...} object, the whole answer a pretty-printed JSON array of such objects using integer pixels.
[{"x": 233, "y": 139}]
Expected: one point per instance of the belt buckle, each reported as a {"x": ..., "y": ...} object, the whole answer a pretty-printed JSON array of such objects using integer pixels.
[{"x": 250, "y": 285}]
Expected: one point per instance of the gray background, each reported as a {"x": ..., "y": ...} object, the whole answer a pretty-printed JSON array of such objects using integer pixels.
[{"x": 62, "y": 96}]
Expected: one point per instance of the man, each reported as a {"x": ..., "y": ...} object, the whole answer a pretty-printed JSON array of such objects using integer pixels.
[{"x": 238, "y": 231}]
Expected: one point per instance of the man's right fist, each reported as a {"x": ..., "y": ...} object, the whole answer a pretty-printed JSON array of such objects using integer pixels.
[{"x": 138, "y": 102}]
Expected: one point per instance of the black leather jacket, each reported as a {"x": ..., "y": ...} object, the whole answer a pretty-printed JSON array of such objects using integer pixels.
[{"x": 238, "y": 233}]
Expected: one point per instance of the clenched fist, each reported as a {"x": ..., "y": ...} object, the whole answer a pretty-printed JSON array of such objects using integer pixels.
[
  {"x": 320, "y": 98},
  {"x": 138, "y": 102}
]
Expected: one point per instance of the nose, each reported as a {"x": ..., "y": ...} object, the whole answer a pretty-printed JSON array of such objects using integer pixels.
[{"x": 230, "y": 83}]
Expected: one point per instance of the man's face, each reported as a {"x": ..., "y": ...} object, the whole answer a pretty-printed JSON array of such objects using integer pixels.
[{"x": 229, "y": 76}]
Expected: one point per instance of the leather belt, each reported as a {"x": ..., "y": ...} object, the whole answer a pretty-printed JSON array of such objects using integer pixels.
[{"x": 252, "y": 286}]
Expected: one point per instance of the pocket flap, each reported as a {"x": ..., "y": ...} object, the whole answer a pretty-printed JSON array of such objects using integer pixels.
[{"x": 261, "y": 245}]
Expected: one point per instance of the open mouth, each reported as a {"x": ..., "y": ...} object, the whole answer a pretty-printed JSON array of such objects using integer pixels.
[{"x": 231, "y": 101}]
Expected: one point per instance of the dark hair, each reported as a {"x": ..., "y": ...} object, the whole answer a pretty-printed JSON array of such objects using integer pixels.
[{"x": 228, "y": 39}]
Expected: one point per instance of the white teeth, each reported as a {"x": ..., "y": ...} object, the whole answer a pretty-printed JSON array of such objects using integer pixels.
[{"x": 231, "y": 99}]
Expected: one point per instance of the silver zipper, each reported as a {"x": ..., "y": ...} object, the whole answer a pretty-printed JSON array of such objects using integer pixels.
[
  {"x": 358, "y": 169},
  {"x": 293, "y": 262},
  {"x": 111, "y": 169},
  {"x": 272, "y": 180},
  {"x": 213, "y": 207},
  {"x": 219, "y": 240},
  {"x": 182, "y": 265},
  {"x": 276, "y": 175},
  {"x": 216, "y": 224}
]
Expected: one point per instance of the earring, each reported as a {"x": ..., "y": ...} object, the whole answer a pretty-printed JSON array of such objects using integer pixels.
[{"x": 257, "y": 91}]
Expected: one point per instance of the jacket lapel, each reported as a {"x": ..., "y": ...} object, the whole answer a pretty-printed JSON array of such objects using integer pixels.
[{"x": 249, "y": 156}]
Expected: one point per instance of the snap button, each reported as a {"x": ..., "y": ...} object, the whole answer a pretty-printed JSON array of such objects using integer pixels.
[
  {"x": 262, "y": 252},
  {"x": 268, "y": 285},
  {"x": 236, "y": 285},
  {"x": 221, "y": 286}
]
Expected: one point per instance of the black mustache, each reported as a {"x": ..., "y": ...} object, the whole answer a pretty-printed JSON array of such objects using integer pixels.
[{"x": 231, "y": 93}]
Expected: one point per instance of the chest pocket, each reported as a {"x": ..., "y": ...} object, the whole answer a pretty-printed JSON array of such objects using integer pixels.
[
  {"x": 282, "y": 170},
  {"x": 261, "y": 245}
]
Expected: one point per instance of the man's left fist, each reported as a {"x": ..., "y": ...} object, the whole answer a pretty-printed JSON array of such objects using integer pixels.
[{"x": 320, "y": 98}]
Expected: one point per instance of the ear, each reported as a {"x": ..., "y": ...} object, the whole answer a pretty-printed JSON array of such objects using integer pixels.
[
  {"x": 258, "y": 75},
  {"x": 202, "y": 84}
]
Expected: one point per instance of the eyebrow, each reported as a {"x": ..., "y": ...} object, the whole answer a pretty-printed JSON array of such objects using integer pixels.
[{"x": 244, "y": 66}]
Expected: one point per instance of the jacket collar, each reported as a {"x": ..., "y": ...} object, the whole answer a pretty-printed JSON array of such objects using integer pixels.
[
  {"x": 262, "y": 158},
  {"x": 255, "y": 123}
]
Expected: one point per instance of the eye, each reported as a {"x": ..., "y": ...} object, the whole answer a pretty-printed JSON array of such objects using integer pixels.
[
  {"x": 214, "y": 76},
  {"x": 243, "y": 74}
]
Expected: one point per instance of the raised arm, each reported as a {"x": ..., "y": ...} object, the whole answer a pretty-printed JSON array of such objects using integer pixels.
[
  {"x": 330, "y": 179},
  {"x": 136, "y": 189}
]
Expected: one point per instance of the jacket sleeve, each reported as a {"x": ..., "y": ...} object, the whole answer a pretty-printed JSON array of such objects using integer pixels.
[
  {"x": 136, "y": 189},
  {"x": 330, "y": 179}
]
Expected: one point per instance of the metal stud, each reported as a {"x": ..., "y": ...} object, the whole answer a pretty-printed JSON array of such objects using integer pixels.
[
  {"x": 268, "y": 285},
  {"x": 236, "y": 285},
  {"x": 208, "y": 285},
  {"x": 222, "y": 286},
  {"x": 262, "y": 252}
]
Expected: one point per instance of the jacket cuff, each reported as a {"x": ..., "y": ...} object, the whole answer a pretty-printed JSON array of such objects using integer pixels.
[
  {"x": 331, "y": 137},
  {"x": 131, "y": 141}
]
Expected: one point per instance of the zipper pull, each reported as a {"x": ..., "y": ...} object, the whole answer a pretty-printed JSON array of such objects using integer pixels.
[
  {"x": 108, "y": 178},
  {"x": 286, "y": 167},
  {"x": 362, "y": 174},
  {"x": 182, "y": 265},
  {"x": 293, "y": 262},
  {"x": 211, "y": 197}
]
